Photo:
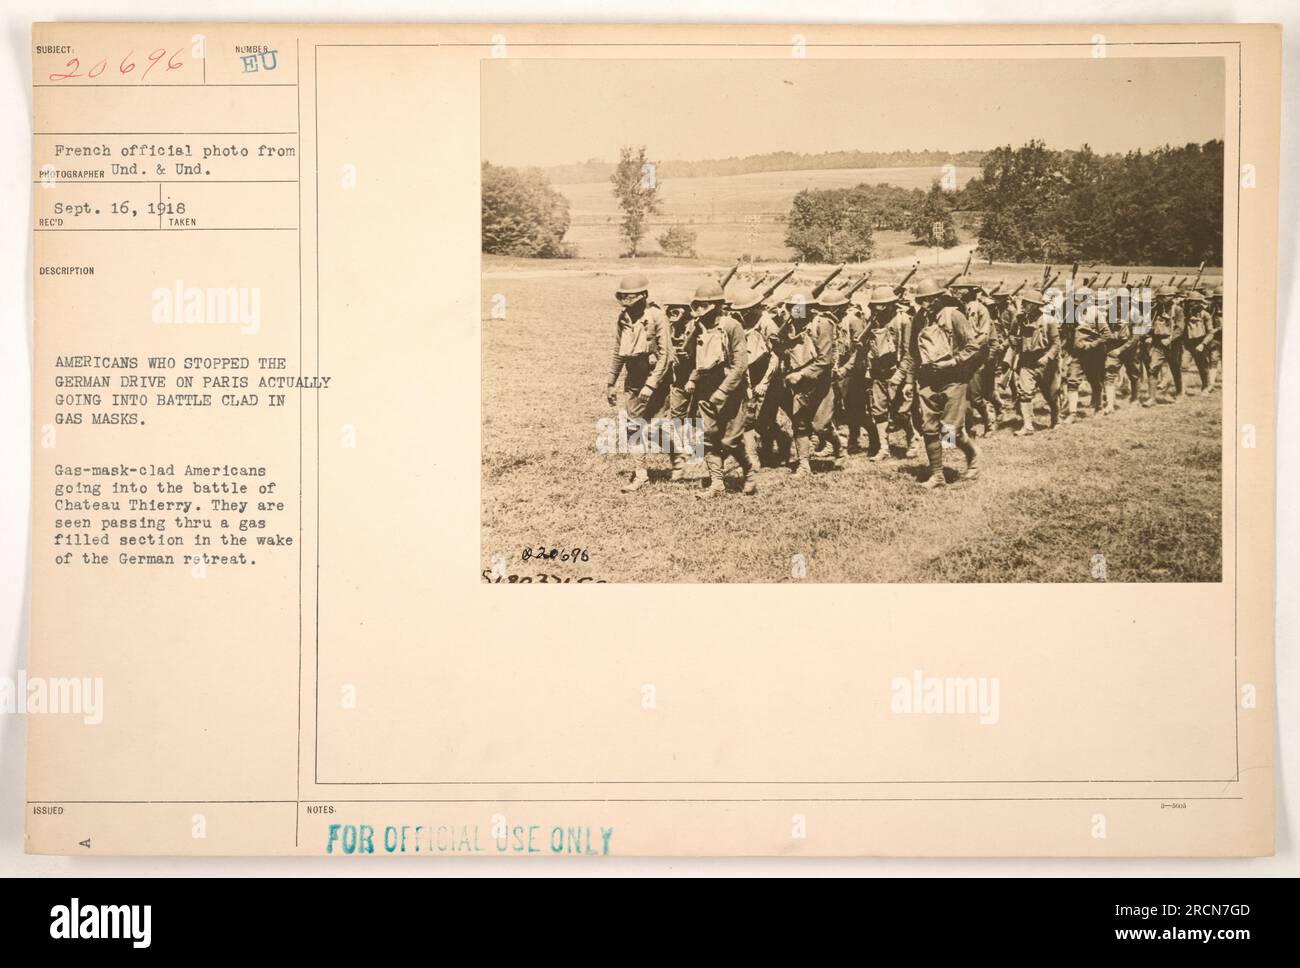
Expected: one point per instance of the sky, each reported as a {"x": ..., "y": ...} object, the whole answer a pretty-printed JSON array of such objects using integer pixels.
[{"x": 538, "y": 112}]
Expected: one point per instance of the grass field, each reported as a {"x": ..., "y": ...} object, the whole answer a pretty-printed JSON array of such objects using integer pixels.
[
  {"x": 731, "y": 214},
  {"x": 1142, "y": 487}
]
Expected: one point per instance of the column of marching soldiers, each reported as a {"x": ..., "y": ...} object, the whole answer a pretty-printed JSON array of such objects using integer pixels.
[{"x": 786, "y": 383}]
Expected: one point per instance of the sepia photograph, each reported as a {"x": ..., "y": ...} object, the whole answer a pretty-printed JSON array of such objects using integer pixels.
[{"x": 845, "y": 320}]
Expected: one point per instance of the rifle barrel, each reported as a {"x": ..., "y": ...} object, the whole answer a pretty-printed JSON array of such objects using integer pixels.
[
  {"x": 777, "y": 285},
  {"x": 818, "y": 289}
]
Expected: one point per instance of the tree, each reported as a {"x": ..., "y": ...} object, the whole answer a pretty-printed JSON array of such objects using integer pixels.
[
  {"x": 522, "y": 214},
  {"x": 637, "y": 189},
  {"x": 1164, "y": 207},
  {"x": 829, "y": 225},
  {"x": 678, "y": 240},
  {"x": 931, "y": 221}
]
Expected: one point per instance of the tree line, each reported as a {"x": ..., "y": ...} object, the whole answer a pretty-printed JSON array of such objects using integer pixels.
[
  {"x": 1029, "y": 204},
  {"x": 1036, "y": 204},
  {"x": 522, "y": 214},
  {"x": 594, "y": 170},
  {"x": 1162, "y": 207},
  {"x": 838, "y": 224}
]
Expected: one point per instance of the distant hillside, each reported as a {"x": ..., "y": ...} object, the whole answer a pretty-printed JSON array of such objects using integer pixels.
[{"x": 599, "y": 171}]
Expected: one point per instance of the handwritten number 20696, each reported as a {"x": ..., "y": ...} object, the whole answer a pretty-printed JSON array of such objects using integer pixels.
[
  {"x": 127, "y": 65},
  {"x": 554, "y": 554}
]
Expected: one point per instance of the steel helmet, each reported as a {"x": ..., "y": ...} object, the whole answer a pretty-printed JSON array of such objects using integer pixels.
[
  {"x": 801, "y": 297},
  {"x": 832, "y": 299},
  {"x": 966, "y": 282},
  {"x": 926, "y": 288},
  {"x": 882, "y": 296},
  {"x": 746, "y": 299},
  {"x": 1031, "y": 296},
  {"x": 1167, "y": 292},
  {"x": 632, "y": 284},
  {"x": 708, "y": 292}
]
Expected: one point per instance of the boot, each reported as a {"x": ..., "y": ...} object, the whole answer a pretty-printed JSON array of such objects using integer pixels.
[
  {"x": 934, "y": 454},
  {"x": 1108, "y": 396},
  {"x": 751, "y": 452},
  {"x": 1210, "y": 376},
  {"x": 882, "y": 438},
  {"x": 679, "y": 468},
  {"x": 640, "y": 476},
  {"x": 972, "y": 454},
  {"x": 1026, "y": 421},
  {"x": 717, "y": 485},
  {"x": 748, "y": 471},
  {"x": 802, "y": 447},
  {"x": 783, "y": 444},
  {"x": 1071, "y": 406},
  {"x": 1163, "y": 394}
]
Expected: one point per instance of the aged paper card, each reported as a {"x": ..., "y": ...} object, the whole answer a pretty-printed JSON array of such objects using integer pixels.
[{"x": 896, "y": 403}]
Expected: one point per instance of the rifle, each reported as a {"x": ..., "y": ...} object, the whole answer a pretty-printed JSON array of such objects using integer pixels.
[
  {"x": 848, "y": 293},
  {"x": 1073, "y": 271},
  {"x": 728, "y": 277},
  {"x": 907, "y": 278},
  {"x": 1105, "y": 281},
  {"x": 1199, "y": 273},
  {"x": 1047, "y": 271},
  {"x": 963, "y": 272},
  {"x": 1050, "y": 282},
  {"x": 767, "y": 293},
  {"x": 818, "y": 289},
  {"x": 1017, "y": 289}
]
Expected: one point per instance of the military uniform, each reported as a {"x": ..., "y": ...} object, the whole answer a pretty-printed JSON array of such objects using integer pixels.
[
  {"x": 1198, "y": 335},
  {"x": 1123, "y": 358},
  {"x": 641, "y": 356},
  {"x": 684, "y": 332},
  {"x": 1092, "y": 335},
  {"x": 852, "y": 398},
  {"x": 762, "y": 426},
  {"x": 892, "y": 391},
  {"x": 944, "y": 345},
  {"x": 721, "y": 386},
  {"x": 1165, "y": 345},
  {"x": 1074, "y": 350},
  {"x": 807, "y": 351},
  {"x": 1216, "y": 336},
  {"x": 1038, "y": 349},
  {"x": 1003, "y": 315},
  {"x": 980, "y": 321}
]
